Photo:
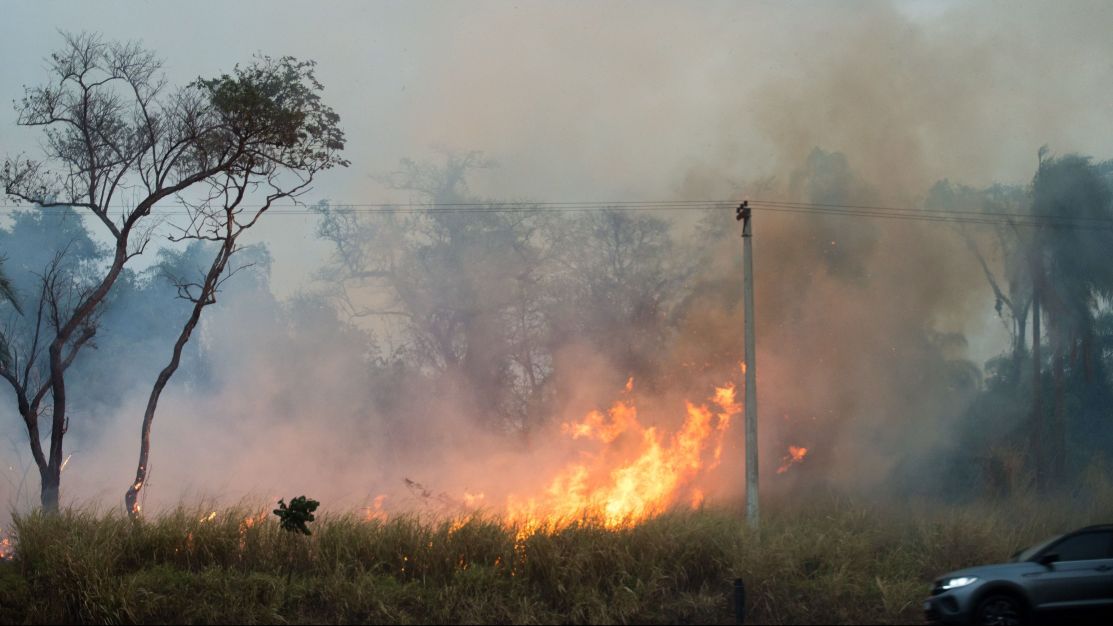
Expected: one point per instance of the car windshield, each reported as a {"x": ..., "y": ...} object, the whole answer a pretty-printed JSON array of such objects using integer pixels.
[{"x": 1027, "y": 553}]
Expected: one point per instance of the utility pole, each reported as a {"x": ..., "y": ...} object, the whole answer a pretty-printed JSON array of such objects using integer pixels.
[{"x": 744, "y": 213}]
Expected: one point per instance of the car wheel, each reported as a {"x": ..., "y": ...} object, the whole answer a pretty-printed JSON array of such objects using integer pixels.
[{"x": 1000, "y": 610}]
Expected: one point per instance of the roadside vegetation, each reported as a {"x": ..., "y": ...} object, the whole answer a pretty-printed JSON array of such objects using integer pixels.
[{"x": 816, "y": 559}]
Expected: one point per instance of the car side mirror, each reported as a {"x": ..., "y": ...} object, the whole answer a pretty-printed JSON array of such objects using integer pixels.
[{"x": 1047, "y": 559}]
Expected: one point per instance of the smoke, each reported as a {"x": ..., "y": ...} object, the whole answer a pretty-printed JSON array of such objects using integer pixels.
[{"x": 870, "y": 332}]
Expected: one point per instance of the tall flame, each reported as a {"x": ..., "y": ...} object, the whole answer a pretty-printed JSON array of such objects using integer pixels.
[{"x": 635, "y": 471}]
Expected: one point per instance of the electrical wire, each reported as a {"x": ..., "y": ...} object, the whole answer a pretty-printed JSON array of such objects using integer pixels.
[{"x": 955, "y": 216}]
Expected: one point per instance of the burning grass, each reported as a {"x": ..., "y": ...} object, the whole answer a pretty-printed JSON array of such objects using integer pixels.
[{"x": 816, "y": 560}]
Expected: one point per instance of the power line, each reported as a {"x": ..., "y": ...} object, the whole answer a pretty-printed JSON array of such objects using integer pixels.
[
  {"x": 583, "y": 203},
  {"x": 1020, "y": 220},
  {"x": 958, "y": 216},
  {"x": 974, "y": 213}
]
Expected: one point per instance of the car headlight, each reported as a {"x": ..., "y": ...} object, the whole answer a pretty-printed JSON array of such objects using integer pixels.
[{"x": 960, "y": 581}]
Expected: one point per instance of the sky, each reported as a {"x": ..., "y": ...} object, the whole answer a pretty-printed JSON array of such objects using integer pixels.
[{"x": 636, "y": 100}]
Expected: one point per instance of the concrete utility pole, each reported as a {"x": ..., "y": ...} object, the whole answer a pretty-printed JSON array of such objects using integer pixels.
[{"x": 744, "y": 213}]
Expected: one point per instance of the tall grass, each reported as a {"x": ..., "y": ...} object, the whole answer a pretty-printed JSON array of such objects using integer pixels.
[{"x": 815, "y": 560}]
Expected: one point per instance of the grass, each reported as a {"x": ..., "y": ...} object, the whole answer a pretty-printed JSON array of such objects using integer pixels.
[{"x": 815, "y": 560}]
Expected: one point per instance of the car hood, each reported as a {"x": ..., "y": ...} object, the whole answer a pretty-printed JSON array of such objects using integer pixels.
[{"x": 996, "y": 571}]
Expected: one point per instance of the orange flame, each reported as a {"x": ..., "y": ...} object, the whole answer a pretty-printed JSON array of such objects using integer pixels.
[
  {"x": 247, "y": 524},
  {"x": 795, "y": 455},
  {"x": 7, "y": 550},
  {"x": 697, "y": 498},
  {"x": 375, "y": 511},
  {"x": 635, "y": 472},
  {"x": 623, "y": 417}
]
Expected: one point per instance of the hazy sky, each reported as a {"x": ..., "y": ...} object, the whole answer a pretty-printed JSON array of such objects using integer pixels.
[{"x": 628, "y": 100}]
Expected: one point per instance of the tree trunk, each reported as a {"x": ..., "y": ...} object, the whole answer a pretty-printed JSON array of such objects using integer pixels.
[
  {"x": 53, "y": 476},
  {"x": 1020, "y": 323},
  {"x": 1057, "y": 436},
  {"x": 1036, "y": 428},
  {"x": 85, "y": 310},
  {"x": 51, "y": 479},
  {"x": 207, "y": 297}
]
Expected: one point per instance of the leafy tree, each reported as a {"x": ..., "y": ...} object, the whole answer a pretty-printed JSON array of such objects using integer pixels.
[
  {"x": 110, "y": 123},
  {"x": 277, "y": 103},
  {"x": 1072, "y": 276},
  {"x": 1051, "y": 268}
]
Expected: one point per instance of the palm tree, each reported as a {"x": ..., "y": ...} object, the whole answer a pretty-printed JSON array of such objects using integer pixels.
[{"x": 1072, "y": 277}]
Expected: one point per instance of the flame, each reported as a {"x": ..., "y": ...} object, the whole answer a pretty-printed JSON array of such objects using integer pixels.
[
  {"x": 247, "y": 524},
  {"x": 251, "y": 520},
  {"x": 795, "y": 455},
  {"x": 208, "y": 518},
  {"x": 473, "y": 500},
  {"x": 724, "y": 398},
  {"x": 697, "y": 498},
  {"x": 375, "y": 511},
  {"x": 633, "y": 471},
  {"x": 595, "y": 425},
  {"x": 7, "y": 550}
]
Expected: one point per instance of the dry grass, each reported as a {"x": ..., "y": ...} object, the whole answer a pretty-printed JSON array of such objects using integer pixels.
[{"x": 815, "y": 560}]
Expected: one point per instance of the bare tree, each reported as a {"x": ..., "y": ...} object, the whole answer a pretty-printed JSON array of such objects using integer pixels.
[
  {"x": 111, "y": 123},
  {"x": 7, "y": 294},
  {"x": 24, "y": 366},
  {"x": 458, "y": 277},
  {"x": 1004, "y": 254},
  {"x": 484, "y": 294}
]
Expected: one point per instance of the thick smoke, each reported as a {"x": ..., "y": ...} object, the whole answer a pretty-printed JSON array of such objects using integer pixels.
[{"x": 872, "y": 333}]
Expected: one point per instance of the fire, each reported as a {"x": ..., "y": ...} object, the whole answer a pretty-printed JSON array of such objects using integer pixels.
[
  {"x": 632, "y": 471},
  {"x": 795, "y": 455},
  {"x": 697, "y": 498},
  {"x": 208, "y": 518},
  {"x": 375, "y": 511},
  {"x": 7, "y": 550},
  {"x": 623, "y": 417},
  {"x": 251, "y": 520},
  {"x": 473, "y": 500}
]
